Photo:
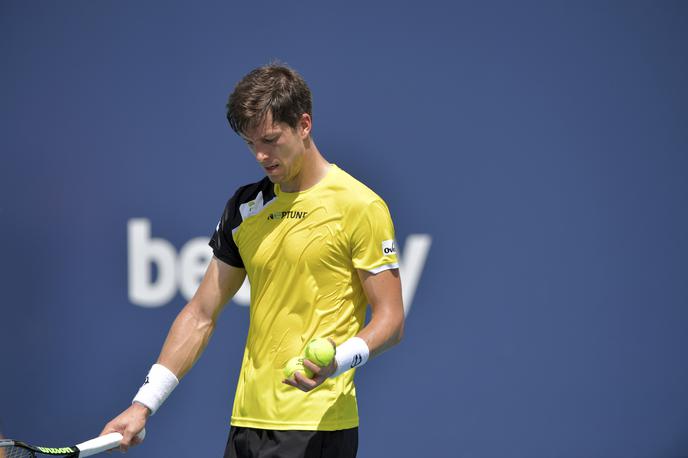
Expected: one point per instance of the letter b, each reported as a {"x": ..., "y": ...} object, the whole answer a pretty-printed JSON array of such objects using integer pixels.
[{"x": 143, "y": 251}]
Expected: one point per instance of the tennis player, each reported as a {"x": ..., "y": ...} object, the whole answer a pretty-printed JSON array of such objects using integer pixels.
[{"x": 317, "y": 246}]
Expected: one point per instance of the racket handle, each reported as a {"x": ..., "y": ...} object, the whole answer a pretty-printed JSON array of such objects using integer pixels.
[{"x": 103, "y": 443}]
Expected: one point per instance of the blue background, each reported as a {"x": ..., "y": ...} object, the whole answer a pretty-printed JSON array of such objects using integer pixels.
[{"x": 542, "y": 145}]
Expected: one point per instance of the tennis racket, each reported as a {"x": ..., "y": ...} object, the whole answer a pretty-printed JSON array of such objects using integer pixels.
[{"x": 17, "y": 449}]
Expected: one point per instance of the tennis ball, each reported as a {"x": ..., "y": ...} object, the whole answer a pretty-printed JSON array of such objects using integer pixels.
[
  {"x": 320, "y": 351},
  {"x": 296, "y": 365}
]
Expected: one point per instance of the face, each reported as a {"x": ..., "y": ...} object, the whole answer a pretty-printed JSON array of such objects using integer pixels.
[{"x": 279, "y": 149}]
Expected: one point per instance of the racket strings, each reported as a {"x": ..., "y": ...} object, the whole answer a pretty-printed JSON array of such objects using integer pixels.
[{"x": 14, "y": 451}]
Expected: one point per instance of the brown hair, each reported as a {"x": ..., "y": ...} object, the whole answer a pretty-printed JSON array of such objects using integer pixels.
[{"x": 273, "y": 88}]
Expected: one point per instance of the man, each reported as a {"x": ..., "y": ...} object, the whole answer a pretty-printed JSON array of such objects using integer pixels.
[{"x": 317, "y": 246}]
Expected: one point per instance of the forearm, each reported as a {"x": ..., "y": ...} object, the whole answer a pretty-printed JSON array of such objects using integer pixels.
[
  {"x": 386, "y": 326},
  {"x": 382, "y": 332},
  {"x": 186, "y": 340}
]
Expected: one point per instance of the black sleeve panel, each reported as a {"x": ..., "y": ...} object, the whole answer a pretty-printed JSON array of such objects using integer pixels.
[{"x": 222, "y": 241}]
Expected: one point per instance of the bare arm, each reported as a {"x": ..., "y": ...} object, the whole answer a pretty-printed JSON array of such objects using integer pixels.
[
  {"x": 186, "y": 339},
  {"x": 386, "y": 326},
  {"x": 194, "y": 325},
  {"x": 385, "y": 329}
]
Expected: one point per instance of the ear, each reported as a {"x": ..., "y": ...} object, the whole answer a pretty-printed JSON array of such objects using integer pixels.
[{"x": 305, "y": 125}]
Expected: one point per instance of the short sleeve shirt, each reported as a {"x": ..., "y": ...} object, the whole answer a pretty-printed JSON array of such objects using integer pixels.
[{"x": 301, "y": 252}]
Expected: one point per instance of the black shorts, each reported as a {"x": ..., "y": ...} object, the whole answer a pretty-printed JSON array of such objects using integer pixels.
[{"x": 268, "y": 443}]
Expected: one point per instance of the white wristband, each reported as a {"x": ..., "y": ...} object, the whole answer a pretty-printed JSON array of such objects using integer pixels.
[
  {"x": 352, "y": 353},
  {"x": 159, "y": 383}
]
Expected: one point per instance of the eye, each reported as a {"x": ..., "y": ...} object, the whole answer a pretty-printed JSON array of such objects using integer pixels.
[{"x": 269, "y": 141}]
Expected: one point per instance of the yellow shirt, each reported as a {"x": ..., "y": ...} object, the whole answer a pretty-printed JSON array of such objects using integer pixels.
[{"x": 301, "y": 251}]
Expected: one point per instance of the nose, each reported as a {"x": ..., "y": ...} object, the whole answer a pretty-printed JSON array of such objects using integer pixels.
[{"x": 261, "y": 156}]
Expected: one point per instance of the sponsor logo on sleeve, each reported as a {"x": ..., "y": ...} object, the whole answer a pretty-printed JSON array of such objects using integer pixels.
[{"x": 388, "y": 247}]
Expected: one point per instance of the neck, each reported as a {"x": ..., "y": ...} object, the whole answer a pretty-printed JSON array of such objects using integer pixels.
[{"x": 313, "y": 169}]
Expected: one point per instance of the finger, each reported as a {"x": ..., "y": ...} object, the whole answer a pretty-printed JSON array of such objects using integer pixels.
[
  {"x": 109, "y": 428},
  {"x": 307, "y": 363},
  {"x": 320, "y": 373},
  {"x": 305, "y": 383},
  {"x": 333, "y": 344},
  {"x": 128, "y": 440},
  {"x": 290, "y": 382},
  {"x": 293, "y": 384},
  {"x": 332, "y": 367},
  {"x": 135, "y": 439}
]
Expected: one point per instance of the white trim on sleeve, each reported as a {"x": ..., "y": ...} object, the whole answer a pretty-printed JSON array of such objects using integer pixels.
[{"x": 377, "y": 270}]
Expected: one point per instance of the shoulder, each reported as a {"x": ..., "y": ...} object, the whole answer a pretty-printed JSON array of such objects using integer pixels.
[
  {"x": 358, "y": 194},
  {"x": 247, "y": 200},
  {"x": 249, "y": 192}
]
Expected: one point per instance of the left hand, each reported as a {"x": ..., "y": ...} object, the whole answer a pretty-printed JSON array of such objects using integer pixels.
[{"x": 320, "y": 374}]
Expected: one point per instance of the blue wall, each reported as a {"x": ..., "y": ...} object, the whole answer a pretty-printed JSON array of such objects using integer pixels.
[{"x": 542, "y": 147}]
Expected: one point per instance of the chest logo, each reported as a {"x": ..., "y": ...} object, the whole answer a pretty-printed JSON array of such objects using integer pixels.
[{"x": 288, "y": 214}]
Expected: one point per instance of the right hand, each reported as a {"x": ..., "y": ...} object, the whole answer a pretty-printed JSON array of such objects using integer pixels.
[
  {"x": 320, "y": 374},
  {"x": 129, "y": 423}
]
